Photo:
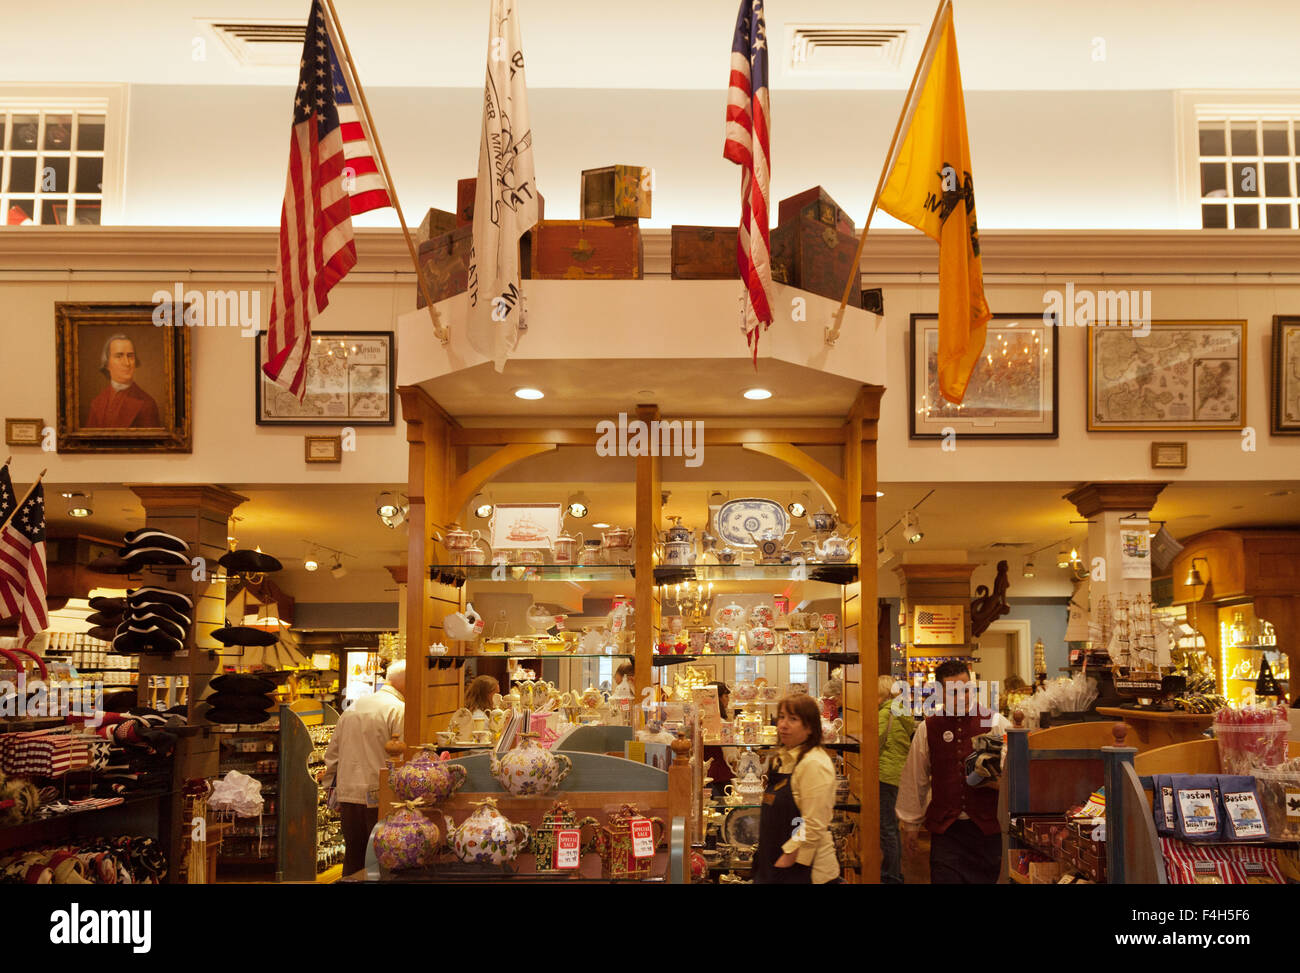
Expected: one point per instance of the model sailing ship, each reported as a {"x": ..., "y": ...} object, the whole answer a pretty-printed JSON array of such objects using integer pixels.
[{"x": 1138, "y": 644}]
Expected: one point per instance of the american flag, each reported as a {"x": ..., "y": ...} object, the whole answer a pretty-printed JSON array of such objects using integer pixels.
[
  {"x": 7, "y": 501},
  {"x": 945, "y": 623},
  {"x": 22, "y": 564},
  {"x": 747, "y": 146},
  {"x": 332, "y": 177}
]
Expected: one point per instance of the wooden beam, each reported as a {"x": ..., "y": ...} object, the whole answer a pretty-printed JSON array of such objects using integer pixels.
[
  {"x": 648, "y": 523},
  {"x": 831, "y": 485},
  {"x": 828, "y": 435},
  {"x": 470, "y": 482}
]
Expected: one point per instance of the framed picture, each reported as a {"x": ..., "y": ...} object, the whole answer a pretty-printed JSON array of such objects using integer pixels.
[
  {"x": 23, "y": 432},
  {"x": 1286, "y": 376},
  {"x": 1181, "y": 375},
  {"x": 939, "y": 625},
  {"x": 1012, "y": 393},
  {"x": 323, "y": 449},
  {"x": 519, "y": 526},
  {"x": 349, "y": 383},
  {"x": 124, "y": 384},
  {"x": 1169, "y": 456}
]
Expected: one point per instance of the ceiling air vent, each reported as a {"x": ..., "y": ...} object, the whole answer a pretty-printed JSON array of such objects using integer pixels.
[
  {"x": 261, "y": 43},
  {"x": 851, "y": 49}
]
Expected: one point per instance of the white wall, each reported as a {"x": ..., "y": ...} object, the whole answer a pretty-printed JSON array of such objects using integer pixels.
[{"x": 217, "y": 156}]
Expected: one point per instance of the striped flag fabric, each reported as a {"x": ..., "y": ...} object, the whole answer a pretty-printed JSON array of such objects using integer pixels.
[
  {"x": 333, "y": 176},
  {"x": 7, "y": 499},
  {"x": 747, "y": 145},
  {"x": 22, "y": 565}
]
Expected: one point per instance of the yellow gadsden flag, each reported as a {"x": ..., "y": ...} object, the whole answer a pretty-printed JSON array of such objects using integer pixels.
[{"x": 929, "y": 186}]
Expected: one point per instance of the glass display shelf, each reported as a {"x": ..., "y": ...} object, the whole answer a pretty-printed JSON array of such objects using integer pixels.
[
  {"x": 724, "y": 806},
  {"x": 533, "y": 572},
  {"x": 537, "y": 655},
  {"x": 844, "y": 745},
  {"x": 664, "y": 574}
]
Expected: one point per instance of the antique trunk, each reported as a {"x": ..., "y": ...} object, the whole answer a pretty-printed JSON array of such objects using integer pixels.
[
  {"x": 436, "y": 222},
  {"x": 815, "y": 204},
  {"x": 586, "y": 250},
  {"x": 444, "y": 264},
  {"x": 704, "y": 253},
  {"x": 815, "y": 257},
  {"x": 465, "y": 190},
  {"x": 615, "y": 192}
]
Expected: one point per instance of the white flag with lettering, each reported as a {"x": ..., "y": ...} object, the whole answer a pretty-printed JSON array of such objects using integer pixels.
[{"x": 505, "y": 202}]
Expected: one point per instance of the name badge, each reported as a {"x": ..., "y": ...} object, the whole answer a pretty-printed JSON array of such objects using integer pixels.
[
  {"x": 567, "y": 850},
  {"x": 947, "y": 736}
]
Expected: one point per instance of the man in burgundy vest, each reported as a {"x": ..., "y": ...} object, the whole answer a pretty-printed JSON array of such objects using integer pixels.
[{"x": 965, "y": 837}]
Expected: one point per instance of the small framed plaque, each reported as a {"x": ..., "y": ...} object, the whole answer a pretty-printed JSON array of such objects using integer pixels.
[
  {"x": 23, "y": 432},
  {"x": 1169, "y": 456},
  {"x": 323, "y": 449}
]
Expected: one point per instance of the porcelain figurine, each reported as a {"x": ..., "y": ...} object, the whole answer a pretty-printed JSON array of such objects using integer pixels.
[
  {"x": 486, "y": 837},
  {"x": 530, "y": 769},
  {"x": 406, "y": 838},
  {"x": 466, "y": 626},
  {"x": 427, "y": 778}
]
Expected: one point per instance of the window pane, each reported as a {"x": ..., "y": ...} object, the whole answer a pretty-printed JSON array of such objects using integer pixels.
[
  {"x": 1212, "y": 140},
  {"x": 90, "y": 174},
  {"x": 1214, "y": 179},
  {"x": 1245, "y": 179},
  {"x": 22, "y": 174},
  {"x": 4, "y": 130},
  {"x": 1246, "y": 216},
  {"x": 1244, "y": 140},
  {"x": 1279, "y": 216},
  {"x": 54, "y": 175},
  {"x": 90, "y": 133},
  {"x": 1275, "y": 139},
  {"x": 55, "y": 212},
  {"x": 25, "y": 131},
  {"x": 21, "y": 211},
  {"x": 58, "y": 132},
  {"x": 87, "y": 213},
  {"x": 1277, "y": 179},
  {"x": 1214, "y": 217}
]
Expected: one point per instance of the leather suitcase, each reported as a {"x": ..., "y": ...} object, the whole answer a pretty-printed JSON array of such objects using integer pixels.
[
  {"x": 815, "y": 203},
  {"x": 586, "y": 250},
  {"x": 615, "y": 192},
  {"x": 704, "y": 253},
  {"x": 444, "y": 264},
  {"x": 815, "y": 257},
  {"x": 436, "y": 222}
]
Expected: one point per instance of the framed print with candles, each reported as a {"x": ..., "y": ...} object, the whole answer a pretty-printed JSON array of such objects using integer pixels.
[{"x": 1012, "y": 393}]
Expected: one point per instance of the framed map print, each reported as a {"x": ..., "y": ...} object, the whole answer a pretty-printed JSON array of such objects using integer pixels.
[
  {"x": 1012, "y": 389},
  {"x": 1180, "y": 375},
  {"x": 1286, "y": 376},
  {"x": 349, "y": 383}
]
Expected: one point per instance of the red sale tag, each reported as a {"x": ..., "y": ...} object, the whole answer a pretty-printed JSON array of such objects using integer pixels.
[
  {"x": 643, "y": 842},
  {"x": 567, "y": 853}
]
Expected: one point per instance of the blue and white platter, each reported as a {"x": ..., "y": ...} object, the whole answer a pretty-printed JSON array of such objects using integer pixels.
[{"x": 738, "y": 518}]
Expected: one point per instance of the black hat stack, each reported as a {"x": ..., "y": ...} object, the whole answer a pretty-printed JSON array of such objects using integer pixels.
[
  {"x": 249, "y": 562},
  {"x": 240, "y": 698},
  {"x": 152, "y": 547},
  {"x": 155, "y": 621},
  {"x": 107, "y": 616}
]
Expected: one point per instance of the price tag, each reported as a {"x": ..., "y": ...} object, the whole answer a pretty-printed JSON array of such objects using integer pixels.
[
  {"x": 643, "y": 842},
  {"x": 567, "y": 849}
]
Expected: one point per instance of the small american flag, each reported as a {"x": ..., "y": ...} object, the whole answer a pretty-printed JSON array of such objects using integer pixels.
[
  {"x": 22, "y": 565},
  {"x": 7, "y": 501},
  {"x": 332, "y": 177},
  {"x": 932, "y": 620},
  {"x": 747, "y": 145}
]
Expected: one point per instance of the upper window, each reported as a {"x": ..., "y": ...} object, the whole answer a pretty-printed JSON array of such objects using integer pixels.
[
  {"x": 59, "y": 158},
  {"x": 1246, "y": 159}
]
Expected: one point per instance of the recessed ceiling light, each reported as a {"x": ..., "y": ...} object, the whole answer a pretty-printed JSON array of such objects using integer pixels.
[
  {"x": 310, "y": 564},
  {"x": 757, "y": 395},
  {"x": 879, "y": 494},
  {"x": 529, "y": 394}
]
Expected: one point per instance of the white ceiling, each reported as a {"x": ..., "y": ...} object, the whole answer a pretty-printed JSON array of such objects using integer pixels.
[{"x": 1005, "y": 44}]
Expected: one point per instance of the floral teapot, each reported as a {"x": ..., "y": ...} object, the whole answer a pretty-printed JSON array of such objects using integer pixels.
[
  {"x": 428, "y": 778},
  {"x": 486, "y": 837},
  {"x": 836, "y": 548},
  {"x": 530, "y": 769},
  {"x": 406, "y": 838}
]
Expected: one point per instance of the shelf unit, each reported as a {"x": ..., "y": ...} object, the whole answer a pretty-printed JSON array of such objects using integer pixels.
[{"x": 310, "y": 837}]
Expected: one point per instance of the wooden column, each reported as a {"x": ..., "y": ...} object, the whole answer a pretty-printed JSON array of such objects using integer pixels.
[
  {"x": 432, "y": 694},
  {"x": 649, "y": 512},
  {"x": 860, "y": 625}
]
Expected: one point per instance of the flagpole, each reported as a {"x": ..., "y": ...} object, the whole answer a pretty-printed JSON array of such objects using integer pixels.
[
  {"x": 832, "y": 333},
  {"x": 26, "y": 496},
  {"x": 368, "y": 123}
]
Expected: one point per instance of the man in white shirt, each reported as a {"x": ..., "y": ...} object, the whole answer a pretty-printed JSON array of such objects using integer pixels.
[
  {"x": 355, "y": 757},
  {"x": 965, "y": 835}
]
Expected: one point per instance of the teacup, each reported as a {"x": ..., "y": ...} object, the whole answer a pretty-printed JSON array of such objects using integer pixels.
[
  {"x": 482, "y": 736},
  {"x": 531, "y": 556},
  {"x": 445, "y": 737}
]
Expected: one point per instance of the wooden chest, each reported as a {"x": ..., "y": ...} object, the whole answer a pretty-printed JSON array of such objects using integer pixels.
[
  {"x": 436, "y": 222},
  {"x": 444, "y": 264},
  {"x": 465, "y": 190},
  {"x": 586, "y": 250},
  {"x": 815, "y": 257},
  {"x": 616, "y": 192},
  {"x": 704, "y": 253},
  {"x": 815, "y": 204}
]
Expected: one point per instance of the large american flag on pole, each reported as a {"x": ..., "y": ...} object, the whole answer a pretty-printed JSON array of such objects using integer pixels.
[
  {"x": 747, "y": 145},
  {"x": 332, "y": 177},
  {"x": 22, "y": 565}
]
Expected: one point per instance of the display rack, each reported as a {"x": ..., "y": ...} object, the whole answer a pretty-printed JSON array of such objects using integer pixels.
[
  {"x": 252, "y": 843},
  {"x": 309, "y": 837}
]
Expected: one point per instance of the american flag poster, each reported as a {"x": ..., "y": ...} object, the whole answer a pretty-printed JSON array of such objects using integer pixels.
[{"x": 939, "y": 625}]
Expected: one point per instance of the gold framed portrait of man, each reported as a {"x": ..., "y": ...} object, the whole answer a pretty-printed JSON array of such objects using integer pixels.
[{"x": 124, "y": 382}]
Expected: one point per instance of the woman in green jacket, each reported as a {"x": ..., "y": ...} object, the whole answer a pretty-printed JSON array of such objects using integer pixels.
[{"x": 896, "y": 727}]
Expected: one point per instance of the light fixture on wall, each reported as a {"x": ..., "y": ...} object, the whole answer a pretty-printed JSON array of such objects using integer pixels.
[
  {"x": 338, "y": 570},
  {"x": 391, "y": 509},
  {"x": 1194, "y": 577},
  {"x": 579, "y": 506},
  {"x": 78, "y": 504},
  {"x": 912, "y": 527},
  {"x": 884, "y": 553},
  {"x": 481, "y": 506},
  {"x": 1028, "y": 571}
]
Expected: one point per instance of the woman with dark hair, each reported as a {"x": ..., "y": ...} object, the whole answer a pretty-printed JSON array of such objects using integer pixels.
[
  {"x": 794, "y": 841},
  {"x": 479, "y": 693},
  {"x": 720, "y": 771}
]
